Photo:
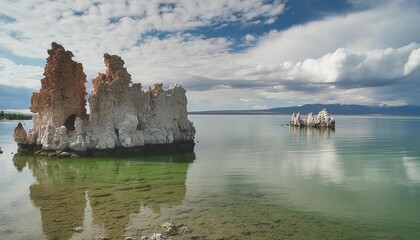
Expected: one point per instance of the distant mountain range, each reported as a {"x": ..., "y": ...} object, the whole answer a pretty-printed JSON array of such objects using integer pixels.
[{"x": 334, "y": 109}]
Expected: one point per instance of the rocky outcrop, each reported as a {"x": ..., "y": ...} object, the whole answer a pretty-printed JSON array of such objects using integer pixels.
[
  {"x": 322, "y": 119},
  {"x": 63, "y": 91},
  {"x": 122, "y": 115}
]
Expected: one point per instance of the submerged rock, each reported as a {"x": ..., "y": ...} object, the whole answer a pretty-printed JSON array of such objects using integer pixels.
[
  {"x": 155, "y": 236},
  {"x": 5, "y": 229},
  {"x": 170, "y": 228},
  {"x": 123, "y": 117},
  {"x": 322, "y": 119}
]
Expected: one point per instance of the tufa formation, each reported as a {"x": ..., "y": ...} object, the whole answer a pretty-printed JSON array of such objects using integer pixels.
[
  {"x": 322, "y": 119},
  {"x": 123, "y": 117}
]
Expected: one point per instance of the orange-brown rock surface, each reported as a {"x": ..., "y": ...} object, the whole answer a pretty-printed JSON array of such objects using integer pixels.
[
  {"x": 121, "y": 113},
  {"x": 63, "y": 90}
]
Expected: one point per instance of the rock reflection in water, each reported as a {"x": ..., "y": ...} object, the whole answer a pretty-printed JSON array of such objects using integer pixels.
[
  {"x": 312, "y": 131},
  {"x": 117, "y": 188}
]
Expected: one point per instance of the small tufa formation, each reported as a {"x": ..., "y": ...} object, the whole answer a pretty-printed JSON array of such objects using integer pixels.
[
  {"x": 322, "y": 119},
  {"x": 19, "y": 134},
  {"x": 122, "y": 116}
]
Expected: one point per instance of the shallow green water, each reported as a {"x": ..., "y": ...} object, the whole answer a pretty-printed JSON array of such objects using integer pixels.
[{"x": 248, "y": 178}]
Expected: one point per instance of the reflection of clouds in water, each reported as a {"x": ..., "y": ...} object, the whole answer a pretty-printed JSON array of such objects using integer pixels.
[
  {"x": 317, "y": 155},
  {"x": 323, "y": 163},
  {"x": 15, "y": 207},
  {"x": 89, "y": 230},
  {"x": 312, "y": 131},
  {"x": 412, "y": 168}
]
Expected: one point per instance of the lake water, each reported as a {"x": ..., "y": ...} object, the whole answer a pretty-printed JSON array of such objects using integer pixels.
[{"x": 249, "y": 177}]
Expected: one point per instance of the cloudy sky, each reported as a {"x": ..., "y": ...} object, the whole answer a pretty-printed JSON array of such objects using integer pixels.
[{"x": 228, "y": 54}]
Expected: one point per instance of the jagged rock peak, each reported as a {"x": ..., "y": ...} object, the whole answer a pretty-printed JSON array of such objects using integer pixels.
[
  {"x": 115, "y": 72},
  {"x": 156, "y": 89},
  {"x": 63, "y": 89}
]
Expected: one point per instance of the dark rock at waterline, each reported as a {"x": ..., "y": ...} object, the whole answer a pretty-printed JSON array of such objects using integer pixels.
[{"x": 148, "y": 149}]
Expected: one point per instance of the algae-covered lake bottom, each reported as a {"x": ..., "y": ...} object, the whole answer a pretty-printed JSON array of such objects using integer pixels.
[{"x": 249, "y": 177}]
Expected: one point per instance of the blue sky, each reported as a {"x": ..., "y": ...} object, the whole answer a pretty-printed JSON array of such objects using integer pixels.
[{"x": 228, "y": 54}]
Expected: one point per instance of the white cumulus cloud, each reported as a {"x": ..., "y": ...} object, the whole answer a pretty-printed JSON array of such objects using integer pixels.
[{"x": 16, "y": 75}]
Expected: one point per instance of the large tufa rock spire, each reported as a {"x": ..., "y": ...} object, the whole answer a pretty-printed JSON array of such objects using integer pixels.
[{"x": 63, "y": 90}]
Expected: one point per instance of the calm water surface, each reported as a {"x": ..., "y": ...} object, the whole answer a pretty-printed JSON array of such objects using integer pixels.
[{"x": 249, "y": 177}]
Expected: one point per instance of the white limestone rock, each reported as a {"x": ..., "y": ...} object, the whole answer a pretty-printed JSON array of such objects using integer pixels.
[
  {"x": 295, "y": 121},
  {"x": 157, "y": 236},
  {"x": 311, "y": 121},
  {"x": 322, "y": 119}
]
